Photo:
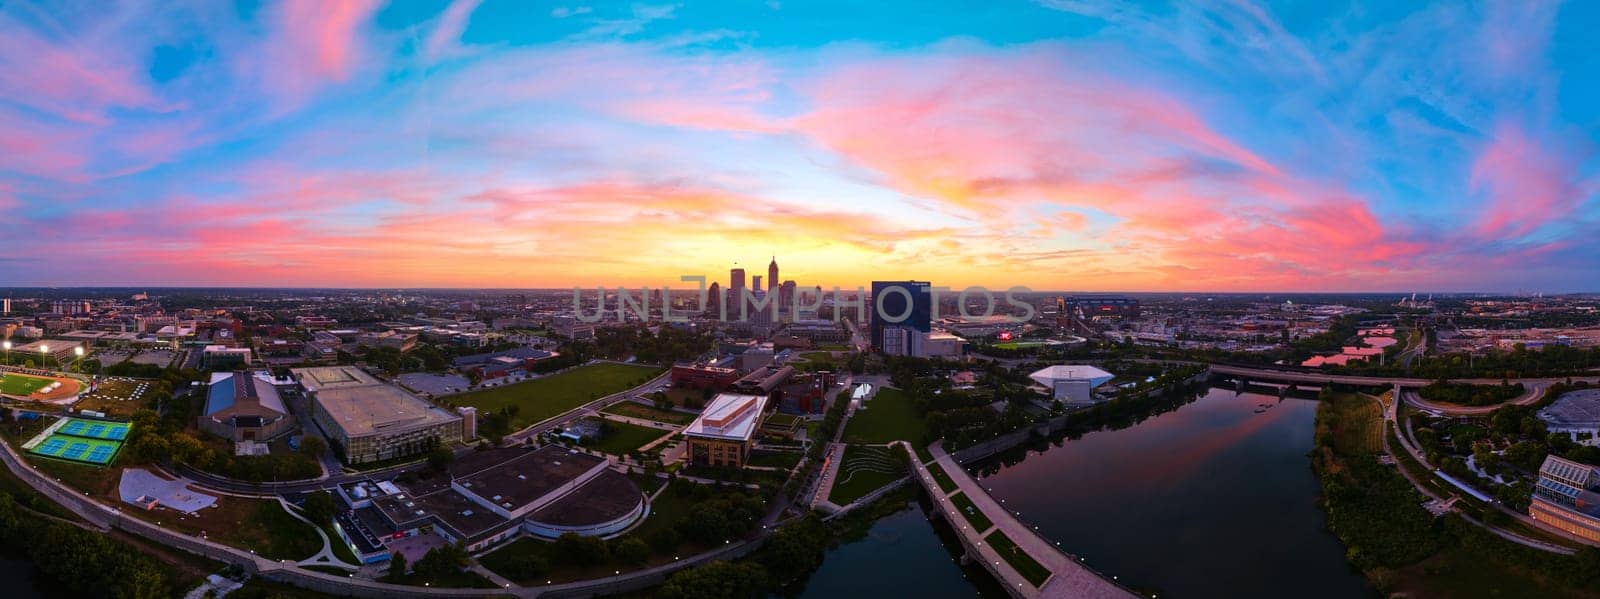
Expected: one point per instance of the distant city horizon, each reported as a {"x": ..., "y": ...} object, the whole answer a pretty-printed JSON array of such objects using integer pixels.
[{"x": 679, "y": 288}]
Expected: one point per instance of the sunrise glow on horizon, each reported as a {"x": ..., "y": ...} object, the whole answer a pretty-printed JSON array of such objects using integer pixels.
[{"x": 1059, "y": 145}]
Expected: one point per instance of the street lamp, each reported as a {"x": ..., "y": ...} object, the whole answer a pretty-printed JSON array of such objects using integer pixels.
[
  {"x": 7, "y": 345},
  {"x": 78, "y": 363},
  {"x": 44, "y": 354}
]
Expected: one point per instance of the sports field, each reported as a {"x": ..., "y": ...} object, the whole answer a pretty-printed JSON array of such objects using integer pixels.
[
  {"x": 113, "y": 431},
  {"x": 542, "y": 398},
  {"x": 88, "y": 441},
  {"x": 78, "y": 449},
  {"x": 22, "y": 385}
]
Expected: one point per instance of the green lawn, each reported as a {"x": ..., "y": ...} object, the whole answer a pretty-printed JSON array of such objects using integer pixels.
[
  {"x": 965, "y": 506},
  {"x": 941, "y": 477},
  {"x": 18, "y": 384},
  {"x": 1356, "y": 424},
  {"x": 622, "y": 438},
  {"x": 785, "y": 459},
  {"x": 341, "y": 549},
  {"x": 634, "y": 409},
  {"x": 864, "y": 470},
  {"x": 889, "y": 416},
  {"x": 540, "y": 399},
  {"x": 1023, "y": 563}
]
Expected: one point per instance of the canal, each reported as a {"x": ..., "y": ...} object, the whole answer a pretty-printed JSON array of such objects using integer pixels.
[{"x": 1213, "y": 499}]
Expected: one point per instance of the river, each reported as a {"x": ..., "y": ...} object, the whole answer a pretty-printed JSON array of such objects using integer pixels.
[{"x": 1210, "y": 500}]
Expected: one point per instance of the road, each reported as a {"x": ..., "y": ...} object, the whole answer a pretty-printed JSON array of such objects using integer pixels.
[{"x": 1535, "y": 386}]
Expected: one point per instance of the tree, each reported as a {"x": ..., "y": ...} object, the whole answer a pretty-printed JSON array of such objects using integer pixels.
[
  {"x": 795, "y": 550},
  {"x": 441, "y": 562},
  {"x": 631, "y": 551},
  {"x": 320, "y": 507},
  {"x": 717, "y": 580},
  {"x": 313, "y": 446},
  {"x": 440, "y": 458},
  {"x": 579, "y": 550},
  {"x": 397, "y": 566}
]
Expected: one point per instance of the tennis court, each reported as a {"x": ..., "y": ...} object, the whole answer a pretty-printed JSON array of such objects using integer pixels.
[
  {"x": 113, "y": 431},
  {"x": 78, "y": 449}
]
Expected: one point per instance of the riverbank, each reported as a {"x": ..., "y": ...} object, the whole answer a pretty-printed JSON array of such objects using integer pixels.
[{"x": 1402, "y": 548}]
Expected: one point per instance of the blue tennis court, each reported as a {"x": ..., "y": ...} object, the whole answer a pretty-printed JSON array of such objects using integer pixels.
[
  {"x": 75, "y": 450},
  {"x": 52, "y": 446},
  {"x": 115, "y": 431},
  {"x": 78, "y": 449},
  {"x": 101, "y": 454}
]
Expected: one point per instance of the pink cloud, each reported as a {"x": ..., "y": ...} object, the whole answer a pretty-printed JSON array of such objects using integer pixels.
[
  {"x": 78, "y": 78},
  {"x": 1526, "y": 183},
  {"x": 312, "y": 44},
  {"x": 445, "y": 39}
]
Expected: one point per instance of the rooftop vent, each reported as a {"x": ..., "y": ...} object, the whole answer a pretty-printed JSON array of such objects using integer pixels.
[
  {"x": 466, "y": 512},
  {"x": 497, "y": 498},
  {"x": 521, "y": 477}
]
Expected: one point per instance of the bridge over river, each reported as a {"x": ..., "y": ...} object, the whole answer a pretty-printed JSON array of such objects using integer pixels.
[{"x": 1054, "y": 572}]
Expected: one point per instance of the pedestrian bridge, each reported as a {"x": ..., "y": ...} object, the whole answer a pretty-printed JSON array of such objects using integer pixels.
[{"x": 1062, "y": 574}]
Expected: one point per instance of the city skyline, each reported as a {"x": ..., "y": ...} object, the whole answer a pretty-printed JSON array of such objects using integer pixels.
[{"x": 1094, "y": 146}]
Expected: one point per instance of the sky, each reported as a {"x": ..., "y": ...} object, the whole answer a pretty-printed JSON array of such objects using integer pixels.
[{"x": 1227, "y": 145}]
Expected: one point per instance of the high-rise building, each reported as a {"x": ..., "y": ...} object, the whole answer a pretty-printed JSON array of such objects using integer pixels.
[
  {"x": 755, "y": 283},
  {"x": 735, "y": 291},
  {"x": 891, "y": 298},
  {"x": 772, "y": 274},
  {"x": 5, "y": 306},
  {"x": 786, "y": 293},
  {"x": 713, "y": 297}
]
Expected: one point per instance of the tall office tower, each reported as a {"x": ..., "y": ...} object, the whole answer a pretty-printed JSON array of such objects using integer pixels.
[
  {"x": 713, "y": 298},
  {"x": 755, "y": 283},
  {"x": 786, "y": 295},
  {"x": 5, "y": 306},
  {"x": 735, "y": 291},
  {"x": 917, "y": 315},
  {"x": 772, "y": 274}
]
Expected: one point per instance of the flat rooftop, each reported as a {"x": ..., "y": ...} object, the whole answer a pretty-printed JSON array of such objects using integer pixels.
[
  {"x": 363, "y": 405},
  {"x": 609, "y": 496},
  {"x": 729, "y": 416},
  {"x": 333, "y": 377},
  {"x": 528, "y": 478}
]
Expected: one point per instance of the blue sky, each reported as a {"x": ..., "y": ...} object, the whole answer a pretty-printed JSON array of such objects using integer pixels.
[{"x": 1064, "y": 144}]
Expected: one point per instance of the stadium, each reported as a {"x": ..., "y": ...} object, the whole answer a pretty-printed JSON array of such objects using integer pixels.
[{"x": 39, "y": 385}]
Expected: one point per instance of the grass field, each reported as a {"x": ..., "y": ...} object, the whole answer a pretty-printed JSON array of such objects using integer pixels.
[
  {"x": 889, "y": 416},
  {"x": 21, "y": 384},
  {"x": 633, "y": 409},
  {"x": 970, "y": 511},
  {"x": 1024, "y": 344},
  {"x": 623, "y": 438},
  {"x": 253, "y": 524},
  {"x": 862, "y": 471},
  {"x": 1357, "y": 424},
  {"x": 785, "y": 459},
  {"x": 942, "y": 477},
  {"x": 543, "y": 398},
  {"x": 1023, "y": 563}
]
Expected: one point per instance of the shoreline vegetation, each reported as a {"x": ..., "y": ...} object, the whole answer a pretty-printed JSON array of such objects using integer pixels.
[{"x": 1401, "y": 548}]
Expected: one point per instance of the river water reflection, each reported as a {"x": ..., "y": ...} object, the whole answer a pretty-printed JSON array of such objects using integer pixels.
[{"x": 1213, "y": 499}]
